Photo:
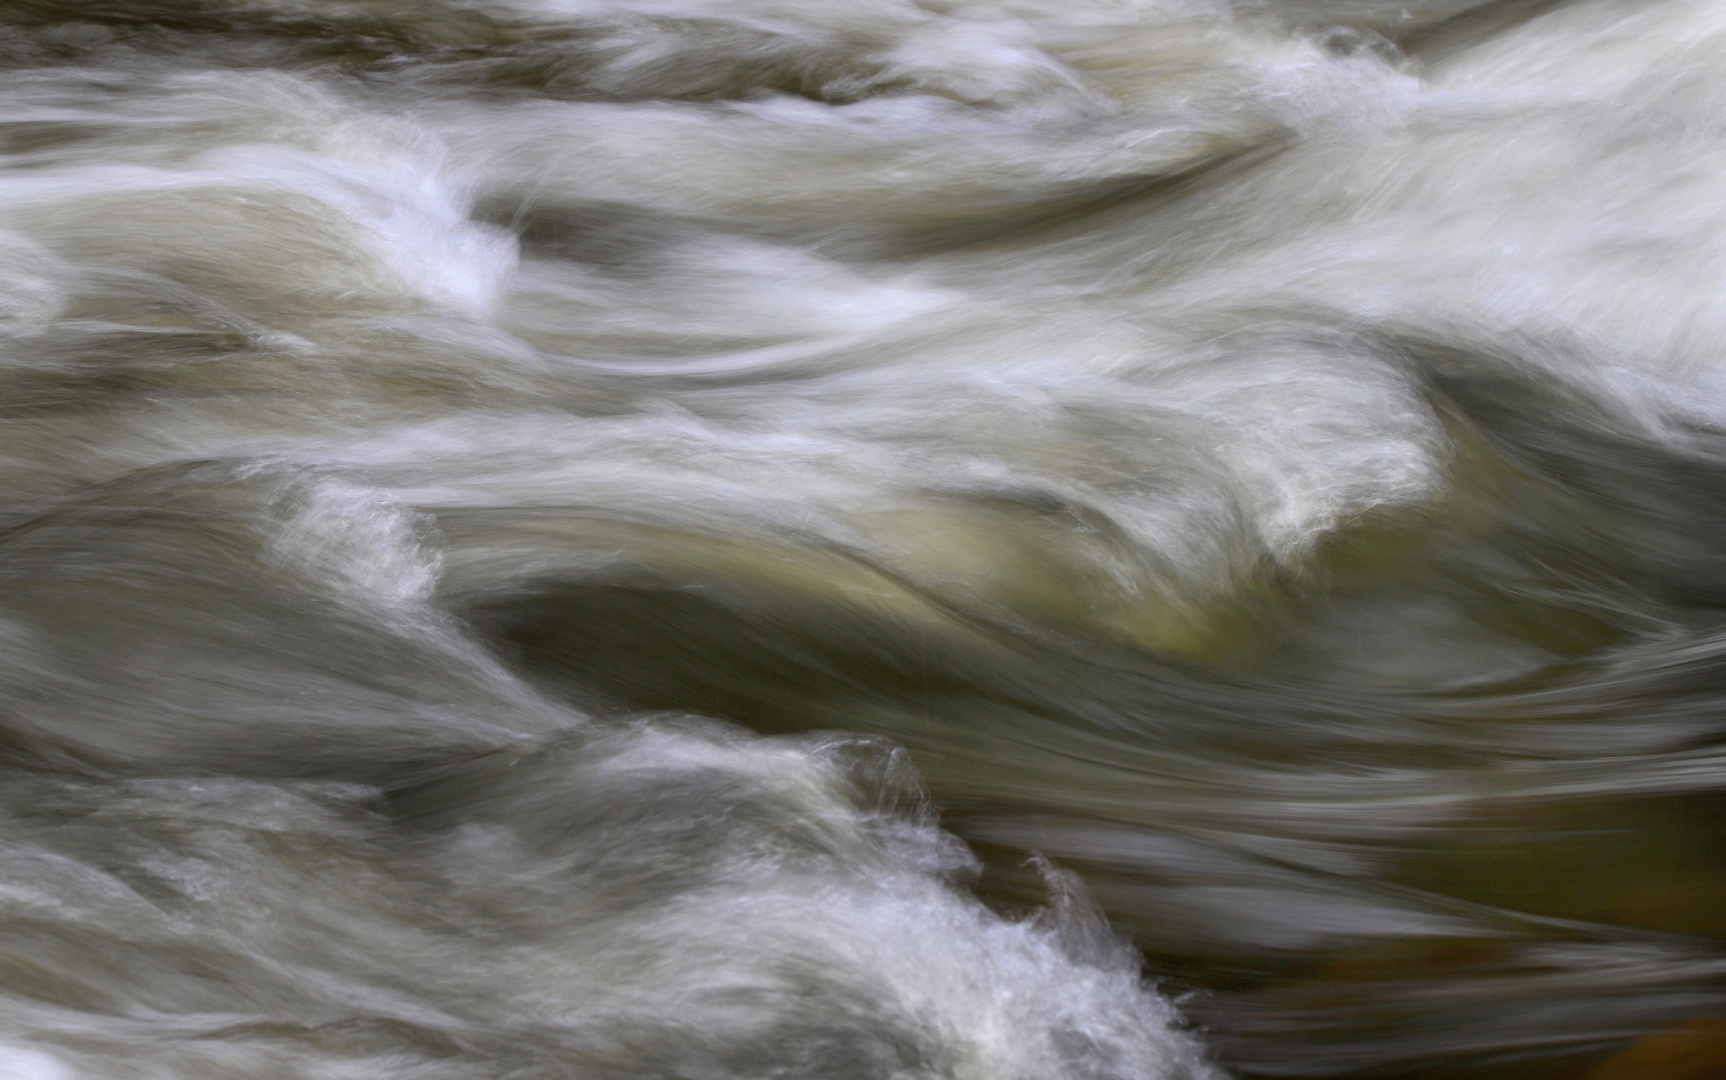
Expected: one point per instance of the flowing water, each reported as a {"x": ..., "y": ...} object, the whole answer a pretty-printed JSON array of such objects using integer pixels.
[{"x": 862, "y": 539}]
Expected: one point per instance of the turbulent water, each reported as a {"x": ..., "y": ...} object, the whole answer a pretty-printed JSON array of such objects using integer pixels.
[{"x": 862, "y": 539}]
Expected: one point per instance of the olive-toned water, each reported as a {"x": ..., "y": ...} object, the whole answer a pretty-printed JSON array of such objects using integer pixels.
[{"x": 883, "y": 540}]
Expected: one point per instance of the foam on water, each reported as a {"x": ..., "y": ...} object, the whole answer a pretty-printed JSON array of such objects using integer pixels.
[
  {"x": 663, "y": 898},
  {"x": 1263, "y": 457}
]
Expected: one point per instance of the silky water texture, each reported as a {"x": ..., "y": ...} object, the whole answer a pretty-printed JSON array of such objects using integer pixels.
[{"x": 868, "y": 540}]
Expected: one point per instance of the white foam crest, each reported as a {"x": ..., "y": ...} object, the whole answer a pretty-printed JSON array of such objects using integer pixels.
[
  {"x": 1211, "y": 458},
  {"x": 415, "y": 218},
  {"x": 1315, "y": 435},
  {"x": 295, "y": 194},
  {"x": 358, "y": 542},
  {"x": 1556, "y": 184},
  {"x": 24, "y": 1063},
  {"x": 33, "y": 283},
  {"x": 681, "y": 893},
  {"x": 772, "y": 928}
]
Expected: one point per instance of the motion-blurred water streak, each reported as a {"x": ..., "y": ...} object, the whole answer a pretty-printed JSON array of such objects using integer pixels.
[{"x": 886, "y": 540}]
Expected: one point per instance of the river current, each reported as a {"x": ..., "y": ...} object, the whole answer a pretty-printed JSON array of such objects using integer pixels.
[{"x": 862, "y": 539}]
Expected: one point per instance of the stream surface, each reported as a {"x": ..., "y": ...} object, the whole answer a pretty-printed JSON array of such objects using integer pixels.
[{"x": 862, "y": 539}]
